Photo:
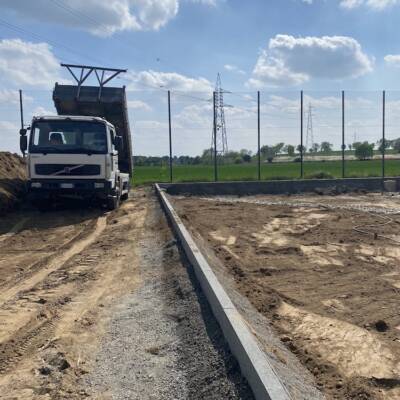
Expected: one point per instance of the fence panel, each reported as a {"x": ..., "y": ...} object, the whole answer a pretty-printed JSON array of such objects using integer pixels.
[
  {"x": 192, "y": 124},
  {"x": 280, "y": 135},
  {"x": 363, "y": 133},
  {"x": 322, "y": 117},
  {"x": 239, "y": 161},
  {"x": 392, "y": 156}
]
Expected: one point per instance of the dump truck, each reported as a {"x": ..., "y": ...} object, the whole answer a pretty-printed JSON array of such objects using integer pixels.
[{"x": 85, "y": 150}]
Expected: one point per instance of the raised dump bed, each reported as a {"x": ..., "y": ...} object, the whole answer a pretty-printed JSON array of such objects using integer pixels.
[{"x": 99, "y": 101}]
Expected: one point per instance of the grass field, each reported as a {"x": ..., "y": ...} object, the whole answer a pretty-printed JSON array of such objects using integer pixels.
[{"x": 234, "y": 172}]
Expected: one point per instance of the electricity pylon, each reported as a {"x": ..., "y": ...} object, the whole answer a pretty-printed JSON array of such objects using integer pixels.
[
  {"x": 221, "y": 140},
  {"x": 310, "y": 129}
]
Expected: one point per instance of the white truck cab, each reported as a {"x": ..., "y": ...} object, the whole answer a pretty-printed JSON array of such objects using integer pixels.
[{"x": 75, "y": 156}]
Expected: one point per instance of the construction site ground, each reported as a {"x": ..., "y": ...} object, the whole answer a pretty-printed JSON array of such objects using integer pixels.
[
  {"x": 323, "y": 271},
  {"x": 102, "y": 305}
]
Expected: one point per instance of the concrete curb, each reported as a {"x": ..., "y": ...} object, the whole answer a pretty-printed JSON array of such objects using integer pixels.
[
  {"x": 253, "y": 362},
  {"x": 279, "y": 187}
]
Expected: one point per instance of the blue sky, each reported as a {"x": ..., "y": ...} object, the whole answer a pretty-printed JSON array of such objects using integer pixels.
[{"x": 277, "y": 46}]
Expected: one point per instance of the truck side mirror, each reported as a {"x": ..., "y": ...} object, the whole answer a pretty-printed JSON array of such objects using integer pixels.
[
  {"x": 23, "y": 143},
  {"x": 118, "y": 143}
]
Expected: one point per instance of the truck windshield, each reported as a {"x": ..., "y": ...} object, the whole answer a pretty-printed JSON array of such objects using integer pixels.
[{"x": 68, "y": 137}]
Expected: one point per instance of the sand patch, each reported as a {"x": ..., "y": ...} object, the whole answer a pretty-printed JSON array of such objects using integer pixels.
[{"x": 353, "y": 350}]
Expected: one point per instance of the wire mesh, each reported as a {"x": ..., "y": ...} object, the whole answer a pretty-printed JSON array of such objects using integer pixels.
[
  {"x": 192, "y": 115},
  {"x": 392, "y": 133},
  {"x": 280, "y": 135}
]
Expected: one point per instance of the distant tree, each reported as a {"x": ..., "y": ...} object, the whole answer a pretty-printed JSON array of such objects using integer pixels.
[
  {"x": 290, "y": 150},
  {"x": 207, "y": 156},
  {"x": 315, "y": 147},
  {"x": 246, "y": 158},
  {"x": 388, "y": 144},
  {"x": 245, "y": 151},
  {"x": 356, "y": 144},
  {"x": 364, "y": 151},
  {"x": 299, "y": 147},
  {"x": 268, "y": 152},
  {"x": 350, "y": 146},
  {"x": 326, "y": 147},
  {"x": 279, "y": 147}
]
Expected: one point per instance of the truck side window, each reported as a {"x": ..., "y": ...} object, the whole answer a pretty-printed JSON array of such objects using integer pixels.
[{"x": 112, "y": 134}]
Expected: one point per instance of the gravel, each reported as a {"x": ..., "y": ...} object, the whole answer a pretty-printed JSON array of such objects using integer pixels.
[{"x": 162, "y": 341}]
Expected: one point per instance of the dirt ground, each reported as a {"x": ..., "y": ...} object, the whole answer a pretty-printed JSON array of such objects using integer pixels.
[
  {"x": 12, "y": 180},
  {"x": 324, "y": 270},
  {"x": 76, "y": 309}
]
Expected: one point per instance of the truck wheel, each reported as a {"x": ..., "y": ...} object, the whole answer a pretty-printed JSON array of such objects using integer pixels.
[
  {"x": 124, "y": 196},
  {"x": 113, "y": 202}
]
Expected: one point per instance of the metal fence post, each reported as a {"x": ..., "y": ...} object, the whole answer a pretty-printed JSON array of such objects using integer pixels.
[
  {"x": 383, "y": 132},
  {"x": 301, "y": 136},
  {"x": 215, "y": 140},
  {"x": 343, "y": 137},
  {"x": 170, "y": 136},
  {"x": 258, "y": 135},
  {"x": 21, "y": 109}
]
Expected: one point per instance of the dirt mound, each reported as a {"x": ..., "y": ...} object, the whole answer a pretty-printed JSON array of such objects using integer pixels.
[{"x": 12, "y": 180}]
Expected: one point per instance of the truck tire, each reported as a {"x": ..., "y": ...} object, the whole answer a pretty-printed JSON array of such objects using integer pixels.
[
  {"x": 113, "y": 202},
  {"x": 124, "y": 196}
]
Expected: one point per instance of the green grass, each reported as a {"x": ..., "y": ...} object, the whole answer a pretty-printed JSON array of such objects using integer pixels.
[{"x": 235, "y": 172}]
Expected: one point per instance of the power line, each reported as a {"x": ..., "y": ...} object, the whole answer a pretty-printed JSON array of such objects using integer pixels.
[{"x": 20, "y": 30}]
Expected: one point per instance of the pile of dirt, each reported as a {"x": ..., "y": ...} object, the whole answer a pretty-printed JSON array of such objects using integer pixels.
[{"x": 12, "y": 180}]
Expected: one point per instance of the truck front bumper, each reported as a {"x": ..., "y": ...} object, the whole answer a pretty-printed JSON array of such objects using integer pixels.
[{"x": 70, "y": 187}]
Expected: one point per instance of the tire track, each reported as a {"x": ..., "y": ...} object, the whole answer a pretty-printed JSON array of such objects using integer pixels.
[{"x": 55, "y": 263}]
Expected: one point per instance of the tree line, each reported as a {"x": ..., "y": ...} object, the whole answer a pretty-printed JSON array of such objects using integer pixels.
[{"x": 361, "y": 150}]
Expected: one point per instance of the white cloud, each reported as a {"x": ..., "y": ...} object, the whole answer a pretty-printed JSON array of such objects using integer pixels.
[
  {"x": 41, "y": 111},
  {"x": 393, "y": 60},
  {"x": 138, "y": 105},
  {"x": 213, "y": 3},
  {"x": 292, "y": 61},
  {"x": 234, "y": 68},
  {"x": 8, "y": 96},
  {"x": 167, "y": 80},
  {"x": 102, "y": 18},
  {"x": 9, "y": 136},
  {"x": 27, "y": 64},
  {"x": 372, "y": 4}
]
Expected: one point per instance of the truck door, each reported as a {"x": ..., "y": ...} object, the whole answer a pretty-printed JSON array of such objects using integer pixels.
[{"x": 114, "y": 153}]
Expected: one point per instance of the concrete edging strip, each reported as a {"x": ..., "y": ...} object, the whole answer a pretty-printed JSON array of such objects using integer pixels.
[{"x": 254, "y": 364}]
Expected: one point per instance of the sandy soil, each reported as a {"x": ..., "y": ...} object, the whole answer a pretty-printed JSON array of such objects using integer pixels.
[
  {"x": 72, "y": 281},
  {"x": 325, "y": 272},
  {"x": 58, "y": 273},
  {"x": 12, "y": 180}
]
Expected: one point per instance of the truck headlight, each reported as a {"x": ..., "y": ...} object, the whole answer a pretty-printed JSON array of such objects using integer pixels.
[
  {"x": 98, "y": 185},
  {"x": 36, "y": 185}
]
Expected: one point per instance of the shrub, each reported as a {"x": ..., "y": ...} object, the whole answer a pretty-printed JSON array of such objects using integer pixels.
[{"x": 320, "y": 175}]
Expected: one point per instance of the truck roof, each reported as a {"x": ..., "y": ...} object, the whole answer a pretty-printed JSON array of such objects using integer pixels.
[{"x": 72, "y": 117}]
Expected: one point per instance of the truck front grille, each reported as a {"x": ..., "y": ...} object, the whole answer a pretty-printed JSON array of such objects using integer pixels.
[{"x": 67, "y": 169}]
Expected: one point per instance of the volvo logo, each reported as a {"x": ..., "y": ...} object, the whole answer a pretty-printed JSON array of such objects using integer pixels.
[{"x": 67, "y": 170}]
